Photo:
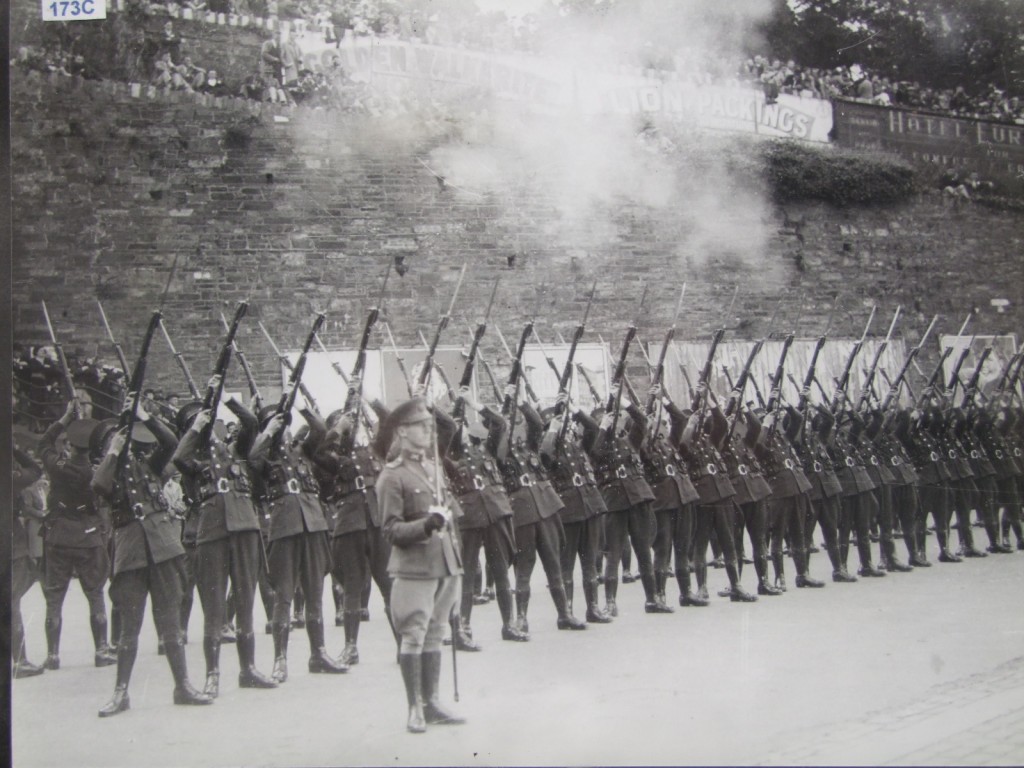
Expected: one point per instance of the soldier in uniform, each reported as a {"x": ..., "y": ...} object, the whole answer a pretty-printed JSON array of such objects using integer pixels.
[
  {"x": 700, "y": 444},
  {"x": 470, "y": 462},
  {"x": 148, "y": 556},
  {"x": 572, "y": 476},
  {"x": 885, "y": 470},
  {"x": 228, "y": 533},
  {"x": 24, "y": 572},
  {"x": 74, "y": 535},
  {"x": 299, "y": 549},
  {"x": 536, "y": 507},
  {"x": 628, "y": 497},
  {"x": 417, "y": 513},
  {"x": 348, "y": 471},
  {"x": 666, "y": 472},
  {"x": 858, "y": 500}
]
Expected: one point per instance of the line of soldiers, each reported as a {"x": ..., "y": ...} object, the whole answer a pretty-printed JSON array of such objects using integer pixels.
[{"x": 563, "y": 483}]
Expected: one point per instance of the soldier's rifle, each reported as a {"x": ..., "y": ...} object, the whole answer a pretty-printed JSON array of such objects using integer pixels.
[
  {"x": 211, "y": 401},
  {"x": 508, "y": 405},
  {"x": 704, "y": 380},
  {"x": 894, "y": 385},
  {"x": 466, "y": 380},
  {"x": 287, "y": 401},
  {"x": 565, "y": 378},
  {"x": 954, "y": 376},
  {"x": 585, "y": 373},
  {"x": 971, "y": 387},
  {"x": 844, "y": 379},
  {"x": 658, "y": 374},
  {"x": 440, "y": 371},
  {"x": 178, "y": 358},
  {"x": 291, "y": 367},
  {"x": 869, "y": 377},
  {"x": 735, "y": 404},
  {"x": 398, "y": 358},
  {"x": 62, "y": 360},
  {"x": 336, "y": 367},
  {"x": 614, "y": 387},
  {"x": 441, "y": 325},
  {"x": 243, "y": 362},
  {"x": 355, "y": 394},
  {"x": 775, "y": 393},
  {"x": 110, "y": 335},
  {"x": 135, "y": 381},
  {"x": 521, "y": 375}
]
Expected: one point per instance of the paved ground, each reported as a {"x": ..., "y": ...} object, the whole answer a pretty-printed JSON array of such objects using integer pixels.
[{"x": 921, "y": 668}]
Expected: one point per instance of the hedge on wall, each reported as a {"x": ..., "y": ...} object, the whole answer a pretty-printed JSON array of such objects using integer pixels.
[{"x": 798, "y": 172}]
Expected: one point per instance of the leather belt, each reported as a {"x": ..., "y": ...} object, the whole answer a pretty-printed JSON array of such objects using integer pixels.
[
  {"x": 895, "y": 460},
  {"x": 478, "y": 483},
  {"x": 712, "y": 469},
  {"x": 670, "y": 470},
  {"x": 874, "y": 461},
  {"x": 742, "y": 469},
  {"x": 621, "y": 472},
  {"x": 849, "y": 461},
  {"x": 577, "y": 479},
  {"x": 525, "y": 481},
  {"x": 952, "y": 453},
  {"x": 816, "y": 466},
  {"x": 933, "y": 456},
  {"x": 788, "y": 464}
]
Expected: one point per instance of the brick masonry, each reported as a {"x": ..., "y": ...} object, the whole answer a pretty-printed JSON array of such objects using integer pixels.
[{"x": 138, "y": 200}]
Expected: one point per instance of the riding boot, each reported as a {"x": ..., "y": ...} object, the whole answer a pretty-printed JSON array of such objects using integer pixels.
[
  {"x": 211, "y": 650},
  {"x": 350, "y": 654},
  {"x": 433, "y": 712},
  {"x": 565, "y": 618},
  {"x": 737, "y": 594},
  {"x": 104, "y": 656},
  {"x": 280, "y": 632},
  {"x": 522, "y": 605},
  {"x": 963, "y": 525},
  {"x": 115, "y": 627},
  {"x": 779, "y": 566},
  {"x": 595, "y": 615},
  {"x": 995, "y": 545},
  {"x": 509, "y": 631},
  {"x": 570, "y": 587},
  {"x": 892, "y": 563},
  {"x": 686, "y": 595},
  {"x": 184, "y": 693},
  {"x": 652, "y": 604},
  {"x": 22, "y": 666},
  {"x": 412, "y": 676},
  {"x": 248, "y": 675},
  {"x": 52, "y": 627},
  {"x": 867, "y": 568},
  {"x": 611, "y": 590},
  {"x": 803, "y": 576},
  {"x": 126, "y": 652},
  {"x": 761, "y": 569},
  {"x": 464, "y": 637},
  {"x": 661, "y": 581},
  {"x": 319, "y": 661},
  {"x": 701, "y": 573}
]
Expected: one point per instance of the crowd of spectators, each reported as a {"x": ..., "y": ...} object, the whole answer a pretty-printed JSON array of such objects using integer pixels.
[
  {"x": 280, "y": 76},
  {"x": 40, "y": 395}
]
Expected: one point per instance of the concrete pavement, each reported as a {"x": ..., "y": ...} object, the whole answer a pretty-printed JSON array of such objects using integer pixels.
[{"x": 919, "y": 668}]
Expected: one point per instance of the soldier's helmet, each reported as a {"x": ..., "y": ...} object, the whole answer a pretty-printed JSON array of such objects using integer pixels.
[
  {"x": 100, "y": 437},
  {"x": 186, "y": 415},
  {"x": 79, "y": 432}
]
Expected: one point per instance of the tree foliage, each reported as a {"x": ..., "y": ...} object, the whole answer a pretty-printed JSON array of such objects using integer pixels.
[{"x": 939, "y": 43}]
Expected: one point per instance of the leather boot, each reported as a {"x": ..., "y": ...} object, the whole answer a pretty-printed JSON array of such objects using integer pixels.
[
  {"x": 319, "y": 661},
  {"x": 184, "y": 693},
  {"x": 963, "y": 524},
  {"x": 594, "y": 613},
  {"x": 126, "y": 652},
  {"x": 508, "y": 628},
  {"x": 211, "y": 652},
  {"x": 779, "y": 566},
  {"x": 893, "y": 563},
  {"x": 867, "y": 568},
  {"x": 660, "y": 584},
  {"x": 945, "y": 553},
  {"x": 412, "y": 676},
  {"x": 522, "y": 605},
  {"x": 115, "y": 627},
  {"x": 995, "y": 544},
  {"x": 803, "y": 576},
  {"x": 569, "y": 589},
  {"x": 350, "y": 654},
  {"x": 22, "y": 666},
  {"x": 611, "y": 590},
  {"x": 737, "y": 594},
  {"x": 464, "y": 638},
  {"x": 652, "y": 604},
  {"x": 433, "y": 712},
  {"x": 248, "y": 675},
  {"x": 565, "y": 618},
  {"x": 280, "y": 672},
  {"x": 701, "y": 573},
  {"x": 686, "y": 595},
  {"x": 104, "y": 655},
  {"x": 52, "y": 627}
]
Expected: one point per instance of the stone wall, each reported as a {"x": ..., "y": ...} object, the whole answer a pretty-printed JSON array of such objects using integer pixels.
[{"x": 173, "y": 200}]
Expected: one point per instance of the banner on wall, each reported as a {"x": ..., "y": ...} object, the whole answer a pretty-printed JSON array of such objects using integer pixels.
[
  {"x": 548, "y": 83},
  {"x": 993, "y": 150}
]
